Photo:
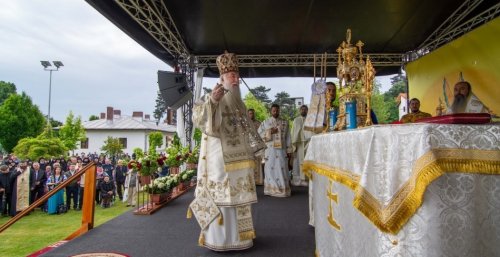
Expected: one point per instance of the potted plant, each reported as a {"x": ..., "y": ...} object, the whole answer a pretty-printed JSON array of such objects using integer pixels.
[
  {"x": 192, "y": 157},
  {"x": 174, "y": 159},
  {"x": 161, "y": 189}
]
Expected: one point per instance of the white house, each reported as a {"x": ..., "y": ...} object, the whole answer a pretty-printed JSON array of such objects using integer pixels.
[
  {"x": 132, "y": 131},
  {"x": 402, "y": 102}
]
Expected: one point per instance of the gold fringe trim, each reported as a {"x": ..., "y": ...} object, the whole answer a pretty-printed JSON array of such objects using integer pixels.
[
  {"x": 409, "y": 198},
  {"x": 221, "y": 220},
  {"x": 201, "y": 239},
  {"x": 189, "y": 213},
  {"x": 239, "y": 165},
  {"x": 344, "y": 177},
  {"x": 314, "y": 129},
  {"x": 247, "y": 235}
]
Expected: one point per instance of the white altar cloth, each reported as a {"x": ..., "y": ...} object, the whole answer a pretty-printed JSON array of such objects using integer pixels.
[{"x": 407, "y": 190}]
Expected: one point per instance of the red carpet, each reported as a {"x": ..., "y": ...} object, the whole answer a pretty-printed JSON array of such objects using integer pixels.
[{"x": 48, "y": 248}]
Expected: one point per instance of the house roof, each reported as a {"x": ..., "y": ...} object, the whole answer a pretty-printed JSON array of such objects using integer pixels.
[{"x": 127, "y": 123}]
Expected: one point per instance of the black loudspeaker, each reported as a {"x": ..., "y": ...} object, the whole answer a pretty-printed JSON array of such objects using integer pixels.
[{"x": 173, "y": 88}]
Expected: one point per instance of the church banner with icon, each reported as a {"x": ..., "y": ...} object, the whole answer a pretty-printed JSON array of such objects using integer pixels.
[{"x": 474, "y": 57}]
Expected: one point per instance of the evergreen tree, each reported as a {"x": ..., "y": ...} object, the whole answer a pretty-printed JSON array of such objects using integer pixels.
[
  {"x": 160, "y": 108},
  {"x": 288, "y": 111},
  {"x": 93, "y": 117},
  {"x": 260, "y": 94}
]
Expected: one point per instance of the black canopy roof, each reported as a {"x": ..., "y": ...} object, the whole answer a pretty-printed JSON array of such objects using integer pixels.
[{"x": 282, "y": 27}]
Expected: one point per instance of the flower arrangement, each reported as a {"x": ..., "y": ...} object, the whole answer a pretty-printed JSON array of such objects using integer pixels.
[
  {"x": 163, "y": 184},
  {"x": 187, "y": 175},
  {"x": 192, "y": 156},
  {"x": 175, "y": 157},
  {"x": 133, "y": 164}
]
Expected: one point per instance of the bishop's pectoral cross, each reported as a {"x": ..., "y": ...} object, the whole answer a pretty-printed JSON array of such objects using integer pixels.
[{"x": 332, "y": 197}]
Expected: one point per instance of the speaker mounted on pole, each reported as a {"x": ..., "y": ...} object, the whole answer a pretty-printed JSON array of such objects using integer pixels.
[{"x": 173, "y": 88}]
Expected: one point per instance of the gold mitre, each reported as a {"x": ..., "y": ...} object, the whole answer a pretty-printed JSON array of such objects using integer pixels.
[{"x": 227, "y": 62}]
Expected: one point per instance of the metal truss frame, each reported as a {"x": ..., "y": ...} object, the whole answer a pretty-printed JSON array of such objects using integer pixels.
[
  {"x": 452, "y": 28},
  {"x": 297, "y": 60},
  {"x": 188, "y": 68},
  {"x": 153, "y": 17}
]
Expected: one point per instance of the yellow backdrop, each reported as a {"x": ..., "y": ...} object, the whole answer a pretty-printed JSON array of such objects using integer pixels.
[{"x": 476, "y": 56}]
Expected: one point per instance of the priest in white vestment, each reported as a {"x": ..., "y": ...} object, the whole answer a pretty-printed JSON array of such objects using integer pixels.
[
  {"x": 275, "y": 132},
  {"x": 465, "y": 101},
  {"x": 228, "y": 152},
  {"x": 258, "y": 171},
  {"x": 300, "y": 140},
  {"x": 21, "y": 188}
]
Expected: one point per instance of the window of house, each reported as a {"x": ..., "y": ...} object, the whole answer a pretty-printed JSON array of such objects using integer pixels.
[
  {"x": 84, "y": 144},
  {"x": 166, "y": 141},
  {"x": 123, "y": 142}
]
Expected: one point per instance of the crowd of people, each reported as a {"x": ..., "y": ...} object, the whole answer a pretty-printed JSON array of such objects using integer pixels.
[{"x": 22, "y": 182}]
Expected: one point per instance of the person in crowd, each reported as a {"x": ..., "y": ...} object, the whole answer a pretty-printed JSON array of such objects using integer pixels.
[
  {"x": 415, "y": 113},
  {"x": 465, "y": 101},
  {"x": 38, "y": 179},
  {"x": 107, "y": 191},
  {"x": 258, "y": 170},
  {"x": 21, "y": 188},
  {"x": 300, "y": 139},
  {"x": 72, "y": 188},
  {"x": 227, "y": 159},
  {"x": 57, "y": 199},
  {"x": 48, "y": 171},
  {"x": 108, "y": 168},
  {"x": 6, "y": 181},
  {"x": 98, "y": 180},
  {"x": 43, "y": 163},
  {"x": 131, "y": 188},
  {"x": 274, "y": 131},
  {"x": 120, "y": 173}
]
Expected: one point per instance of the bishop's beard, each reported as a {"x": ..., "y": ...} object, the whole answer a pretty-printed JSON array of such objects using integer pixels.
[
  {"x": 459, "y": 104},
  {"x": 233, "y": 93}
]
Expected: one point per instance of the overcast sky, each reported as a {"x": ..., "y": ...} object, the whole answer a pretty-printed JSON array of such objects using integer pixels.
[{"x": 102, "y": 65}]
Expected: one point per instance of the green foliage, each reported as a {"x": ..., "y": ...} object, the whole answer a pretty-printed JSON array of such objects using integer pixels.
[
  {"x": 163, "y": 184},
  {"x": 197, "y": 136},
  {"x": 175, "y": 156},
  {"x": 187, "y": 175},
  {"x": 112, "y": 146},
  {"x": 261, "y": 112},
  {"x": 42, "y": 146},
  {"x": 260, "y": 94},
  {"x": 93, "y": 117},
  {"x": 160, "y": 107},
  {"x": 138, "y": 153},
  {"x": 155, "y": 141},
  {"x": 191, "y": 156},
  {"x": 287, "y": 106},
  {"x": 55, "y": 123},
  {"x": 19, "y": 118},
  {"x": 72, "y": 131},
  {"x": 6, "y": 89}
]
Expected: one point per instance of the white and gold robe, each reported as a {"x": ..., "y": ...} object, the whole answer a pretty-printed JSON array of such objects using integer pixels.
[
  {"x": 474, "y": 105},
  {"x": 23, "y": 190},
  {"x": 228, "y": 178},
  {"x": 300, "y": 139},
  {"x": 277, "y": 177}
]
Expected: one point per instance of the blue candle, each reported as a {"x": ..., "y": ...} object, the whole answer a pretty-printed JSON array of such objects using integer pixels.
[{"x": 350, "y": 115}]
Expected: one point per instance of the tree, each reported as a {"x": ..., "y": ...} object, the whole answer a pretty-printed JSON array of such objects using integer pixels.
[
  {"x": 390, "y": 99},
  {"x": 44, "y": 145},
  {"x": 260, "y": 93},
  {"x": 112, "y": 146},
  {"x": 261, "y": 112},
  {"x": 55, "y": 123},
  {"x": 160, "y": 108},
  {"x": 93, "y": 117},
  {"x": 398, "y": 78},
  {"x": 19, "y": 118},
  {"x": 6, "y": 89},
  {"x": 155, "y": 141},
  {"x": 72, "y": 131},
  {"x": 288, "y": 111}
]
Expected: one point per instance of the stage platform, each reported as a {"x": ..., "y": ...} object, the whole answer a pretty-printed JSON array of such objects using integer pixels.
[{"x": 281, "y": 225}]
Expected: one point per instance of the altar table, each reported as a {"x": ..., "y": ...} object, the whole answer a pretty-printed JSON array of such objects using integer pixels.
[{"x": 406, "y": 190}]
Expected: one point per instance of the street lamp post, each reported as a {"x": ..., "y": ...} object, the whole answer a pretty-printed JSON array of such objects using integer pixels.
[{"x": 46, "y": 65}]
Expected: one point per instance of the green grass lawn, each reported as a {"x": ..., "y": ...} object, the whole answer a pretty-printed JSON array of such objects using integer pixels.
[{"x": 39, "y": 229}]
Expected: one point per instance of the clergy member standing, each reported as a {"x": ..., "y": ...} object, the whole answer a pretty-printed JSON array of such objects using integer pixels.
[
  {"x": 21, "y": 189},
  {"x": 275, "y": 133},
  {"x": 300, "y": 140},
  {"x": 228, "y": 151},
  {"x": 258, "y": 172}
]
